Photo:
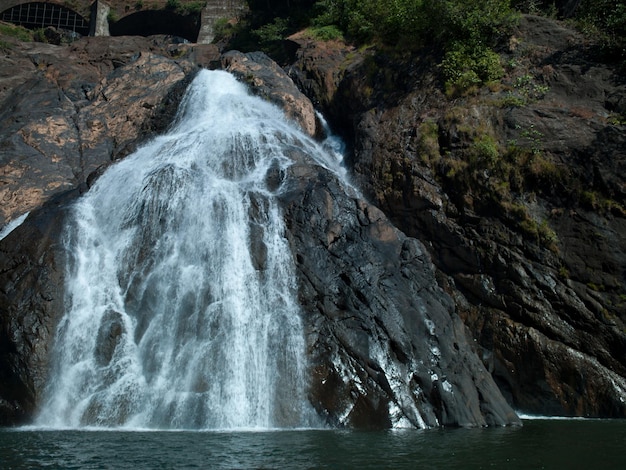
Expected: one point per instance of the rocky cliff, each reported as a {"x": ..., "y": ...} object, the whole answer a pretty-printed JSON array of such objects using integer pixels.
[
  {"x": 490, "y": 249},
  {"x": 517, "y": 191}
]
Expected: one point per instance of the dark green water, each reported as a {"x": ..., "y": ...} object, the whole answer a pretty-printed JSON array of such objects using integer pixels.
[{"x": 558, "y": 444}]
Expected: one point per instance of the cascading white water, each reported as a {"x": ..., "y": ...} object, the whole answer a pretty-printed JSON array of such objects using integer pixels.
[{"x": 181, "y": 306}]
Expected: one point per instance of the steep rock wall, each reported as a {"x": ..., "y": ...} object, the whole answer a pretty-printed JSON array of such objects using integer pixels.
[
  {"x": 516, "y": 191},
  {"x": 386, "y": 344}
]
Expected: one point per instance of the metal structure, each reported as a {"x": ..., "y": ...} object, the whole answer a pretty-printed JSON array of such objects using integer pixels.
[
  {"x": 40, "y": 15},
  {"x": 88, "y": 17}
]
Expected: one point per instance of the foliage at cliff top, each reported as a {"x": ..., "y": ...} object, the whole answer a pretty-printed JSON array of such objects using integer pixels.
[
  {"x": 605, "y": 19},
  {"x": 465, "y": 31},
  {"x": 414, "y": 23},
  {"x": 602, "y": 20}
]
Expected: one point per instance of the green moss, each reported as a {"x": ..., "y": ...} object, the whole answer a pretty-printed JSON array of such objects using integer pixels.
[
  {"x": 17, "y": 32},
  {"x": 596, "y": 287},
  {"x": 429, "y": 141},
  {"x": 324, "y": 33},
  {"x": 484, "y": 152}
]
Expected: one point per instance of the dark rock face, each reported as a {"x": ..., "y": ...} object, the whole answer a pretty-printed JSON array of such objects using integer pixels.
[
  {"x": 528, "y": 236},
  {"x": 31, "y": 303},
  {"x": 387, "y": 348},
  {"x": 386, "y": 344},
  {"x": 67, "y": 113}
]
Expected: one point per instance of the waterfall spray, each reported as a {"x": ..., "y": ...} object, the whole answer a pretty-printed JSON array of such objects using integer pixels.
[{"x": 180, "y": 291}]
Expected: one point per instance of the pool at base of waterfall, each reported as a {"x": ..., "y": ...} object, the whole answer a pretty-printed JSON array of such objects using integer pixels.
[{"x": 540, "y": 443}]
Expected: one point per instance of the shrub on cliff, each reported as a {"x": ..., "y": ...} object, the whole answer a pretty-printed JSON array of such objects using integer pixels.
[
  {"x": 464, "y": 30},
  {"x": 606, "y": 20},
  {"x": 602, "y": 20},
  {"x": 414, "y": 23}
]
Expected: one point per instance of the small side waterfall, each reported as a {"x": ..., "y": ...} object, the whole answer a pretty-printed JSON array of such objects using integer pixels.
[{"x": 181, "y": 297}]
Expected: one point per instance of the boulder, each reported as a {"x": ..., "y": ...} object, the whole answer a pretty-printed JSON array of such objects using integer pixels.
[{"x": 266, "y": 79}]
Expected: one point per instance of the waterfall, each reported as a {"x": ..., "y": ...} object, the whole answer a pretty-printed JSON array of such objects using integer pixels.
[{"x": 181, "y": 307}]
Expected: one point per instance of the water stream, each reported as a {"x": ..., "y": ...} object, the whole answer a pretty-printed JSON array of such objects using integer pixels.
[{"x": 180, "y": 291}]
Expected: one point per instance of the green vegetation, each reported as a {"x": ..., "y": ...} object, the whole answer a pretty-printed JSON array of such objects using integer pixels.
[
  {"x": 602, "y": 20},
  {"x": 39, "y": 35},
  {"x": 112, "y": 16},
  {"x": 464, "y": 30},
  {"x": 325, "y": 33},
  {"x": 173, "y": 5},
  {"x": 10, "y": 32},
  {"x": 593, "y": 200},
  {"x": 488, "y": 178},
  {"x": 467, "y": 67},
  {"x": 271, "y": 32},
  {"x": 222, "y": 29},
  {"x": 17, "y": 32},
  {"x": 188, "y": 8},
  {"x": 463, "y": 33},
  {"x": 605, "y": 20}
]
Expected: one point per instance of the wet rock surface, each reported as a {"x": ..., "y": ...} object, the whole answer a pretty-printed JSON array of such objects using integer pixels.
[
  {"x": 517, "y": 193},
  {"x": 67, "y": 113},
  {"x": 387, "y": 347},
  {"x": 458, "y": 277},
  {"x": 266, "y": 79},
  {"x": 32, "y": 264}
]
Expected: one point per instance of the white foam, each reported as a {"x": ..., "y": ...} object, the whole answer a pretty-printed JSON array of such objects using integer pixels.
[{"x": 12, "y": 225}]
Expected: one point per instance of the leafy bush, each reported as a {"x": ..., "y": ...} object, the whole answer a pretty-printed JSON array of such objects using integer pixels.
[
  {"x": 271, "y": 32},
  {"x": 464, "y": 67},
  {"x": 325, "y": 33},
  {"x": 222, "y": 28},
  {"x": 192, "y": 8},
  {"x": 605, "y": 19},
  {"x": 173, "y": 5},
  {"x": 466, "y": 30}
]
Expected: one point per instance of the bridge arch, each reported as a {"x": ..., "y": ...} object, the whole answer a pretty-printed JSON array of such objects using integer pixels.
[
  {"x": 150, "y": 22},
  {"x": 34, "y": 15},
  {"x": 93, "y": 17}
]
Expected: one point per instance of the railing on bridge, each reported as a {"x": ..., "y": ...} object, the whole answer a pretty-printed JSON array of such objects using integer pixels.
[
  {"x": 39, "y": 15},
  {"x": 155, "y": 19}
]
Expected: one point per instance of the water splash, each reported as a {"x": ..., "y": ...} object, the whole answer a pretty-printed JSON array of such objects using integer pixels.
[
  {"x": 12, "y": 225},
  {"x": 181, "y": 295}
]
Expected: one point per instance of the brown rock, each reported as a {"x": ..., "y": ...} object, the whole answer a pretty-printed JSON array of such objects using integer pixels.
[{"x": 265, "y": 78}]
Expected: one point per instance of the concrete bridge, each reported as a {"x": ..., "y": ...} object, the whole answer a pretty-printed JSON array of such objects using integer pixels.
[{"x": 189, "y": 19}]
